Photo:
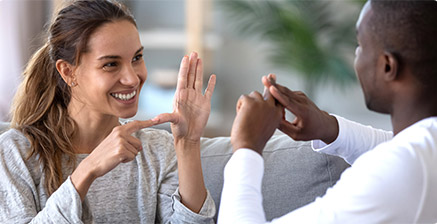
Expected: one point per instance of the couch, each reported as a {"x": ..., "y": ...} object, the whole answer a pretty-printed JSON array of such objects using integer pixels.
[{"x": 294, "y": 174}]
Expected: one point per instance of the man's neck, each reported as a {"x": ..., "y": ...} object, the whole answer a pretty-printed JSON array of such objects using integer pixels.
[{"x": 406, "y": 114}]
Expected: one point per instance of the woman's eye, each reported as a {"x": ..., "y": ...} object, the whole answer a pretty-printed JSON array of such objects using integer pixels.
[
  {"x": 109, "y": 66},
  {"x": 137, "y": 58}
]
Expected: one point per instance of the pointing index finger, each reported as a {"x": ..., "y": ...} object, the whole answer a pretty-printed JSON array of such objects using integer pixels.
[{"x": 134, "y": 126}]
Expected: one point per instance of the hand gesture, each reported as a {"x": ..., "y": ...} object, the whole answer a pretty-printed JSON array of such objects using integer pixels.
[
  {"x": 118, "y": 147},
  {"x": 191, "y": 107},
  {"x": 191, "y": 110},
  {"x": 310, "y": 122},
  {"x": 256, "y": 121}
]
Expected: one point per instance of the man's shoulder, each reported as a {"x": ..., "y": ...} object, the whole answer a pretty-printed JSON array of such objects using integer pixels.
[
  {"x": 414, "y": 146},
  {"x": 421, "y": 135}
]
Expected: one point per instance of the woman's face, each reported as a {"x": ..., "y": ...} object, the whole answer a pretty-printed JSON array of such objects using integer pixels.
[{"x": 111, "y": 71}]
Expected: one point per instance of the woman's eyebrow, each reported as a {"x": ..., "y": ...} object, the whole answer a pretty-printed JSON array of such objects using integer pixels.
[
  {"x": 139, "y": 50},
  {"x": 109, "y": 57},
  {"x": 117, "y": 56}
]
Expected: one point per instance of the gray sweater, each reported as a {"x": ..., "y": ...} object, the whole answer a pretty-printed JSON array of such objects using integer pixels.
[{"x": 144, "y": 190}]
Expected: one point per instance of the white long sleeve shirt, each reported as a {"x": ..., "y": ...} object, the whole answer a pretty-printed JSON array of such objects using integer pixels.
[{"x": 391, "y": 180}]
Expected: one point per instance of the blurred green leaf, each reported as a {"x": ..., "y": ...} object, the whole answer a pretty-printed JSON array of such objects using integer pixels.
[{"x": 306, "y": 36}]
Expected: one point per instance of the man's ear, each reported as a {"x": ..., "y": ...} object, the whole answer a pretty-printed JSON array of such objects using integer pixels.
[
  {"x": 391, "y": 66},
  {"x": 66, "y": 70}
]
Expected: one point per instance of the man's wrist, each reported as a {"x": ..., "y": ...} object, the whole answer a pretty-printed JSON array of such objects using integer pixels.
[
  {"x": 333, "y": 130},
  {"x": 245, "y": 145}
]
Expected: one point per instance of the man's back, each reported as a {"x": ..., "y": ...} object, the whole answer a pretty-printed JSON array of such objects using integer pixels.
[{"x": 394, "y": 182}]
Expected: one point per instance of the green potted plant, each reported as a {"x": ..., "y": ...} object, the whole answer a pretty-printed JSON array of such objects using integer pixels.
[{"x": 307, "y": 37}]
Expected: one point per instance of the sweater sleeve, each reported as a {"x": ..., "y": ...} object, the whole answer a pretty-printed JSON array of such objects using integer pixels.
[
  {"x": 170, "y": 207},
  {"x": 19, "y": 194},
  {"x": 353, "y": 140}
]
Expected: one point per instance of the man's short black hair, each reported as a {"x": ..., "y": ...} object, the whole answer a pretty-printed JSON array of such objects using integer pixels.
[{"x": 408, "y": 29}]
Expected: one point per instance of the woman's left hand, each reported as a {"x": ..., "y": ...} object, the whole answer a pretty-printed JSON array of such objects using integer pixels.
[
  {"x": 190, "y": 113},
  {"x": 191, "y": 107}
]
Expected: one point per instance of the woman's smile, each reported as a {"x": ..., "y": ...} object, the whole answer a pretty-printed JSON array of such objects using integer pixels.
[{"x": 124, "y": 96}]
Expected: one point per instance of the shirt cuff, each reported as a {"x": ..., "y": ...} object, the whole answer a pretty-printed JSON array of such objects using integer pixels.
[
  {"x": 185, "y": 215},
  {"x": 65, "y": 204},
  {"x": 320, "y": 146}
]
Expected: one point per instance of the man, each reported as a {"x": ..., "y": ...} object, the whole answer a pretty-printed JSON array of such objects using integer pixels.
[{"x": 393, "y": 177}]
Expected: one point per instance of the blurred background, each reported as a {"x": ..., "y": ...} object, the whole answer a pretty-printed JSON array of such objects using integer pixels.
[{"x": 309, "y": 45}]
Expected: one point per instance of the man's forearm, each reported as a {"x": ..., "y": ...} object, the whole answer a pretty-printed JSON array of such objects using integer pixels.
[{"x": 241, "y": 200}]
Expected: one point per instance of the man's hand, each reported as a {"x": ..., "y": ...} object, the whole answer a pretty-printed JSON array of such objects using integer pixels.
[
  {"x": 310, "y": 122},
  {"x": 256, "y": 121}
]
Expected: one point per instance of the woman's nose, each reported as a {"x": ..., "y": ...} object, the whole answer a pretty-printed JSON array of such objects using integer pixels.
[{"x": 130, "y": 77}]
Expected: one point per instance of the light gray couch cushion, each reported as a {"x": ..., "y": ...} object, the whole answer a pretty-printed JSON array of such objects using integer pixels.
[
  {"x": 3, "y": 127},
  {"x": 294, "y": 174}
]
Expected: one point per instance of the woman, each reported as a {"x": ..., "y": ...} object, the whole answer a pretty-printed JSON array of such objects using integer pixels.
[{"x": 69, "y": 160}]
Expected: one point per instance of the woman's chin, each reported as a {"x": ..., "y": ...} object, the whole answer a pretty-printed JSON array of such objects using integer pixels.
[{"x": 127, "y": 114}]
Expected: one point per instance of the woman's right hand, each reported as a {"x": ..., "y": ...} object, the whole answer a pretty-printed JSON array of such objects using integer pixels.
[{"x": 118, "y": 147}]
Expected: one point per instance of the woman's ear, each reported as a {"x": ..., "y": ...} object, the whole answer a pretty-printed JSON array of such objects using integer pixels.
[
  {"x": 391, "y": 66},
  {"x": 66, "y": 71}
]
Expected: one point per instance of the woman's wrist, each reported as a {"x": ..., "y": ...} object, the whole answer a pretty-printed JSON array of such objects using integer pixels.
[
  {"x": 82, "y": 178},
  {"x": 185, "y": 143},
  {"x": 191, "y": 185}
]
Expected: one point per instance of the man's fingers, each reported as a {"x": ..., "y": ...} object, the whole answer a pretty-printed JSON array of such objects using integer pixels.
[
  {"x": 268, "y": 97},
  {"x": 240, "y": 102},
  {"x": 134, "y": 126},
  {"x": 288, "y": 128},
  {"x": 256, "y": 95},
  {"x": 183, "y": 74},
  {"x": 267, "y": 80},
  {"x": 271, "y": 77},
  {"x": 166, "y": 117},
  {"x": 244, "y": 99},
  {"x": 286, "y": 97},
  {"x": 211, "y": 86},
  {"x": 198, "y": 83},
  {"x": 281, "y": 97},
  {"x": 266, "y": 93},
  {"x": 192, "y": 70}
]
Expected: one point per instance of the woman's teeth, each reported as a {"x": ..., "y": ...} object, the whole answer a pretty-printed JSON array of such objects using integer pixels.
[{"x": 124, "y": 96}]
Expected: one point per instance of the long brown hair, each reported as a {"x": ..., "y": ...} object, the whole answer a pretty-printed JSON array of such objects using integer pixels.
[{"x": 39, "y": 109}]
